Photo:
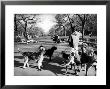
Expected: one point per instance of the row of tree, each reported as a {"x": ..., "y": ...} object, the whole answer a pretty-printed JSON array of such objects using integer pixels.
[
  {"x": 85, "y": 23},
  {"x": 25, "y": 24}
]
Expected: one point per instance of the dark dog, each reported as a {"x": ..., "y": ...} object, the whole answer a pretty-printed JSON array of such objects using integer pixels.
[
  {"x": 65, "y": 56},
  {"x": 88, "y": 59},
  {"x": 49, "y": 52}
]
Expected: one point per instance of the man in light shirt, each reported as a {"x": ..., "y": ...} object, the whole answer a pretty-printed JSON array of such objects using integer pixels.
[{"x": 75, "y": 41}]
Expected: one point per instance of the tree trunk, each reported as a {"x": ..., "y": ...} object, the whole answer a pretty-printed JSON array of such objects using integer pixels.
[
  {"x": 65, "y": 33},
  {"x": 15, "y": 23},
  {"x": 25, "y": 32},
  {"x": 83, "y": 22},
  {"x": 64, "y": 30}
]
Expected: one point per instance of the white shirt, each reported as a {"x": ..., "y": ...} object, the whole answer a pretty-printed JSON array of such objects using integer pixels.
[{"x": 75, "y": 37}]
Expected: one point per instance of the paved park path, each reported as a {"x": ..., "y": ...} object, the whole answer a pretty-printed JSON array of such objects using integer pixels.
[{"x": 54, "y": 68}]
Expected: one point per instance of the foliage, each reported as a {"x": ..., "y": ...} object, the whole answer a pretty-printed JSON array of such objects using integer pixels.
[{"x": 65, "y": 23}]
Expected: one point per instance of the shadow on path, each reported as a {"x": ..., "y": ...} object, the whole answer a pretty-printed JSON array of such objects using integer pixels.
[
  {"x": 54, "y": 66},
  {"x": 19, "y": 57},
  {"x": 17, "y": 64}
]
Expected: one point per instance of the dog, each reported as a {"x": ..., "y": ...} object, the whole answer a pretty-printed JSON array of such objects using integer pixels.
[
  {"x": 49, "y": 52},
  {"x": 41, "y": 57},
  {"x": 31, "y": 56},
  {"x": 88, "y": 58},
  {"x": 94, "y": 62},
  {"x": 65, "y": 56},
  {"x": 70, "y": 60}
]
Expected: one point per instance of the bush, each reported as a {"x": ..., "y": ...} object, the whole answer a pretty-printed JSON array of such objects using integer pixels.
[{"x": 17, "y": 39}]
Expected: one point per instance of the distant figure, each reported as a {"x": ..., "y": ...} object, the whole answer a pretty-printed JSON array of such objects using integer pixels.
[{"x": 56, "y": 39}]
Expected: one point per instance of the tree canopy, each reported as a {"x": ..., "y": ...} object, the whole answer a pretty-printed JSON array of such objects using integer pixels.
[{"x": 65, "y": 23}]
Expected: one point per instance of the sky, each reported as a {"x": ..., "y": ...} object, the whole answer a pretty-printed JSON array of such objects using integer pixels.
[{"x": 47, "y": 21}]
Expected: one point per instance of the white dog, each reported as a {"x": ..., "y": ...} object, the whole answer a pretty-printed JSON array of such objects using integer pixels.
[
  {"x": 71, "y": 60},
  {"x": 41, "y": 57}
]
